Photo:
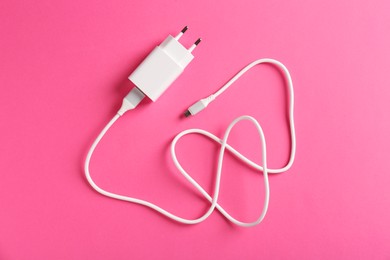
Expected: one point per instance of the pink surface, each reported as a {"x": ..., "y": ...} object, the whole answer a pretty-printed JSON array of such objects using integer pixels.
[{"x": 64, "y": 69}]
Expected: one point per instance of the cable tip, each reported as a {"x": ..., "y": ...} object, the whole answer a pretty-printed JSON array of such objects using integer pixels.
[
  {"x": 187, "y": 113},
  {"x": 184, "y": 29}
]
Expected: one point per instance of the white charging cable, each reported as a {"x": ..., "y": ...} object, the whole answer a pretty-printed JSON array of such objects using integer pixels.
[
  {"x": 166, "y": 62},
  {"x": 224, "y": 145}
]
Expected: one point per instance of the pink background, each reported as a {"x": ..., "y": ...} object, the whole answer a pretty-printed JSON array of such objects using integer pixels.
[{"x": 63, "y": 74}]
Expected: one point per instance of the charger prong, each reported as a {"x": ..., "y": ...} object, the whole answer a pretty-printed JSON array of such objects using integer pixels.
[
  {"x": 181, "y": 33},
  {"x": 194, "y": 45}
]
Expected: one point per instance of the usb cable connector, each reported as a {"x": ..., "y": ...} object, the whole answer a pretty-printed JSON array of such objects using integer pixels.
[{"x": 199, "y": 106}]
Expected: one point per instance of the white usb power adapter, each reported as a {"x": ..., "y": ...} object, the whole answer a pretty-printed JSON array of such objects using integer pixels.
[{"x": 162, "y": 66}]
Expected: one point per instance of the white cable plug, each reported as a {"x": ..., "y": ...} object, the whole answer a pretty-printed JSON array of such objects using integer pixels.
[
  {"x": 199, "y": 106},
  {"x": 131, "y": 100},
  {"x": 175, "y": 57}
]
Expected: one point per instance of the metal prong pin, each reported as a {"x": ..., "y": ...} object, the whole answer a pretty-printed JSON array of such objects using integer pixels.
[
  {"x": 194, "y": 45},
  {"x": 181, "y": 33}
]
